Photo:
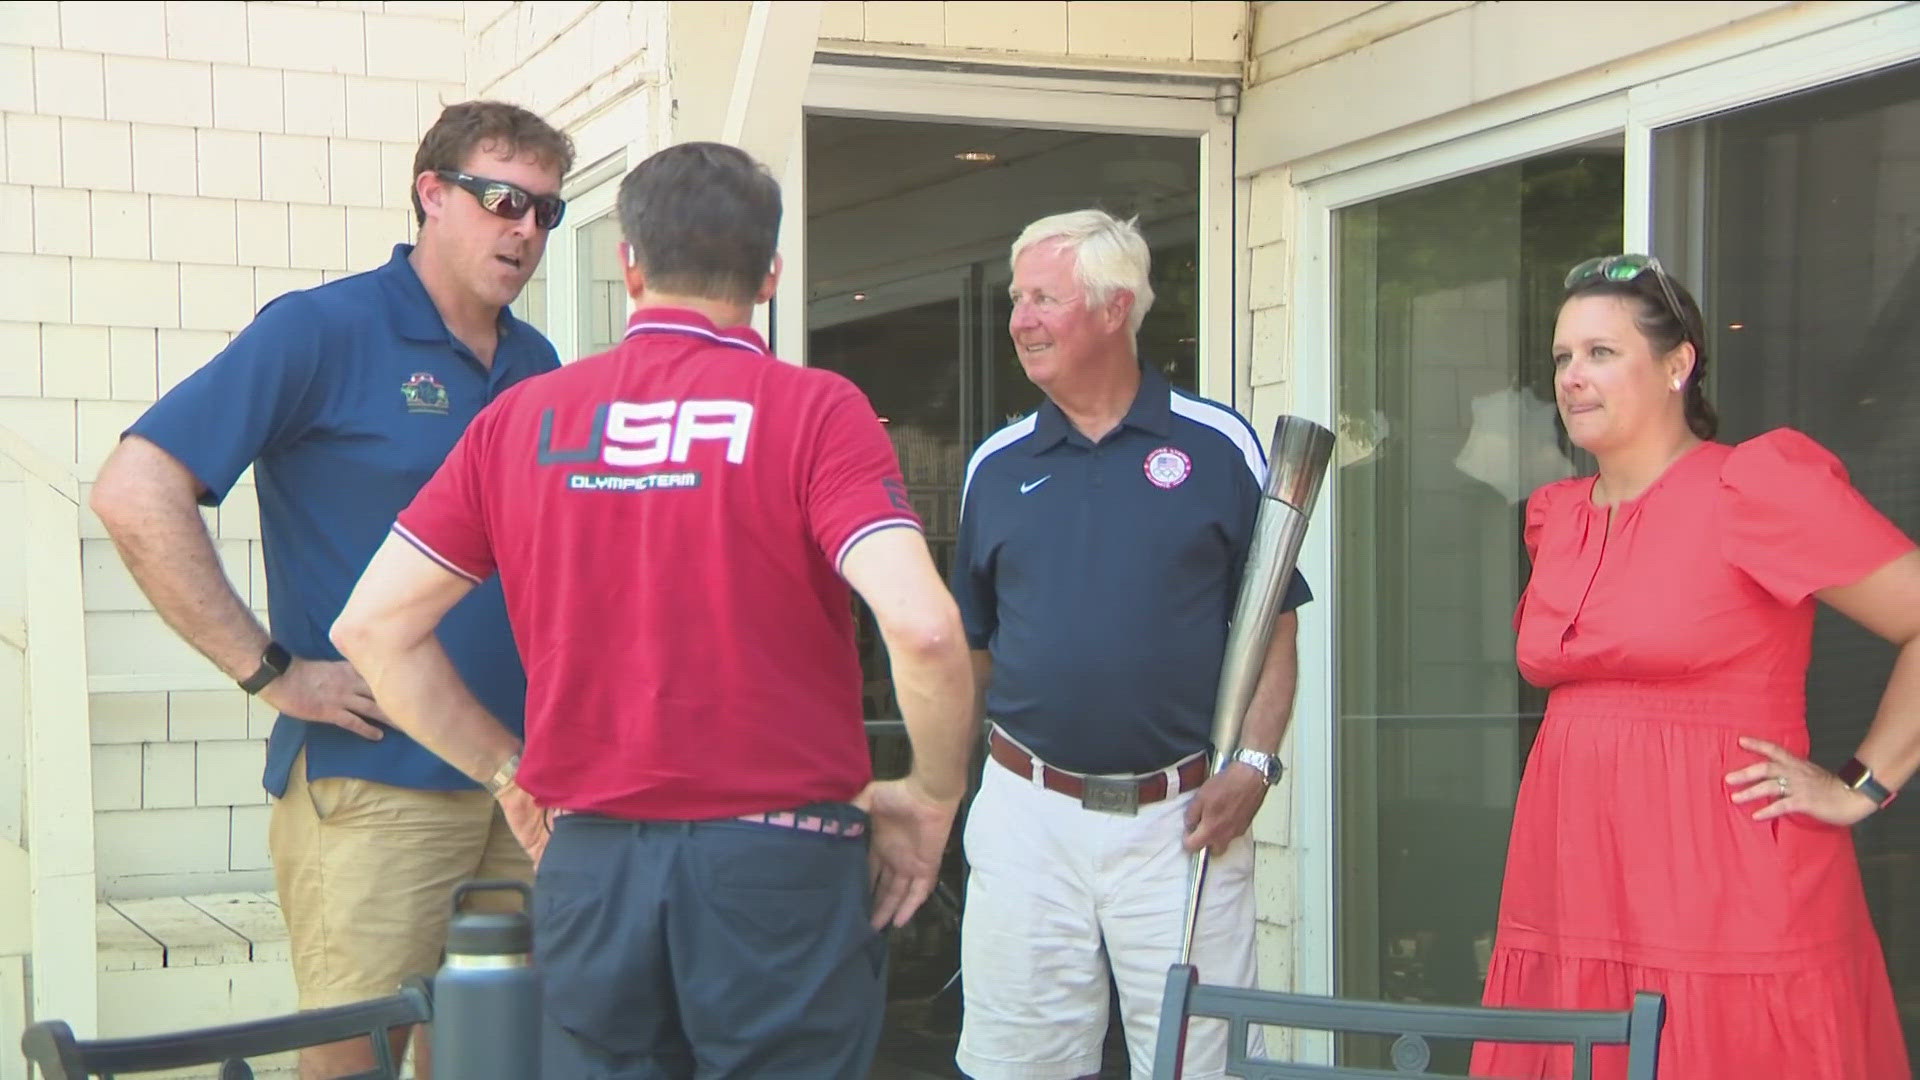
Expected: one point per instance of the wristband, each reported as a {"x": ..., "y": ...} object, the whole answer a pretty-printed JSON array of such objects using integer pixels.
[{"x": 274, "y": 663}]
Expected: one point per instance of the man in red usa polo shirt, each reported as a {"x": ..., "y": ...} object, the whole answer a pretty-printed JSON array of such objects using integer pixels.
[{"x": 675, "y": 524}]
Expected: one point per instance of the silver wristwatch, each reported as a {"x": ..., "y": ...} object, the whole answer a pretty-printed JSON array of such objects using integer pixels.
[
  {"x": 1268, "y": 765},
  {"x": 502, "y": 776}
]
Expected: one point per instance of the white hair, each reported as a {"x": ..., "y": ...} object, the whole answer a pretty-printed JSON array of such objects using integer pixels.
[{"x": 1109, "y": 256}]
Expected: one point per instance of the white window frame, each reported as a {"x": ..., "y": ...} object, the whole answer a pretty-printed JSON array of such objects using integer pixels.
[
  {"x": 1883, "y": 40},
  {"x": 1772, "y": 65},
  {"x": 591, "y": 192},
  {"x": 1075, "y": 102}
]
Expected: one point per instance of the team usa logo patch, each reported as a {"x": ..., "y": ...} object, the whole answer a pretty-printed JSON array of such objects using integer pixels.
[
  {"x": 424, "y": 394},
  {"x": 1168, "y": 467}
]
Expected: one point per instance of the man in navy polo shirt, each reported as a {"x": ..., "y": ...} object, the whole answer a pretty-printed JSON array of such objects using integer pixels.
[
  {"x": 343, "y": 399},
  {"x": 1100, "y": 550},
  {"x": 677, "y": 524}
]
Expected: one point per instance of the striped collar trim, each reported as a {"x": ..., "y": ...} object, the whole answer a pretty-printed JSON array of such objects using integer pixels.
[{"x": 678, "y": 321}]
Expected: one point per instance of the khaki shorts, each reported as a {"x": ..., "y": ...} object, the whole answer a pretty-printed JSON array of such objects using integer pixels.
[{"x": 366, "y": 874}]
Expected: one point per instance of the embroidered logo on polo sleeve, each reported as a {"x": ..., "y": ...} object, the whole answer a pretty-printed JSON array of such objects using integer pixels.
[
  {"x": 1168, "y": 467},
  {"x": 424, "y": 394}
]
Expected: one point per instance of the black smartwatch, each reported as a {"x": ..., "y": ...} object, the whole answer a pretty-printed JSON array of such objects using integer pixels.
[
  {"x": 1856, "y": 775},
  {"x": 274, "y": 663}
]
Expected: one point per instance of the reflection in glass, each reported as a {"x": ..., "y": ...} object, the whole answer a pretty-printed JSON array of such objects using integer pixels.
[
  {"x": 1811, "y": 275},
  {"x": 1446, "y": 298}
]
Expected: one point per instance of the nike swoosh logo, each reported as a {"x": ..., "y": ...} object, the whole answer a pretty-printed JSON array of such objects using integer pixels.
[{"x": 1024, "y": 488}]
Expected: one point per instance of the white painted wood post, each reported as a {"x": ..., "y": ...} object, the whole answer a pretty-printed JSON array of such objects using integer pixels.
[{"x": 50, "y": 717}]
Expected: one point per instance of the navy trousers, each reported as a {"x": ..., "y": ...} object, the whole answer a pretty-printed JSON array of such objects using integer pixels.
[{"x": 684, "y": 950}]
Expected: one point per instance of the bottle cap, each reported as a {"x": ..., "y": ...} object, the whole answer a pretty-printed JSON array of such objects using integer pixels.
[{"x": 490, "y": 934}]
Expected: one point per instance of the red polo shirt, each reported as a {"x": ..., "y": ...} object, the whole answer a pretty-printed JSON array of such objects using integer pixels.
[{"x": 668, "y": 521}]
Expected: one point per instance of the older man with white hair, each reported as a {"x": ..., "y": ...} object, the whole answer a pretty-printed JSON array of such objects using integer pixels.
[{"x": 1101, "y": 544}]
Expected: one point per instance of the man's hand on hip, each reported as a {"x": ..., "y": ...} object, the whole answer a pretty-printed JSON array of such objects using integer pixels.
[
  {"x": 326, "y": 692},
  {"x": 528, "y": 821},
  {"x": 1223, "y": 809},
  {"x": 906, "y": 847}
]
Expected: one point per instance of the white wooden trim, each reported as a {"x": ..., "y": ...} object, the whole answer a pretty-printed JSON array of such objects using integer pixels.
[
  {"x": 1856, "y": 48},
  {"x": 1242, "y": 266},
  {"x": 59, "y": 763},
  {"x": 1018, "y": 67},
  {"x": 775, "y": 58},
  {"x": 1072, "y": 104},
  {"x": 1785, "y": 28},
  {"x": 789, "y": 315},
  {"x": 1637, "y": 213},
  {"x": 1801, "y": 63},
  {"x": 60, "y": 476},
  {"x": 1315, "y": 785},
  {"x": 1218, "y": 378},
  {"x": 1585, "y": 122}
]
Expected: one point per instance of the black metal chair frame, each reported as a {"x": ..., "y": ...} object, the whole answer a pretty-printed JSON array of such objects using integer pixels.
[
  {"x": 51, "y": 1045},
  {"x": 1638, "y": 1029}
]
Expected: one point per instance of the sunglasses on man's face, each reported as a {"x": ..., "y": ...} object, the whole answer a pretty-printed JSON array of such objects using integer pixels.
[
  {"x": 1621, "y": 269},
  {"x": 506, "y": 200}
]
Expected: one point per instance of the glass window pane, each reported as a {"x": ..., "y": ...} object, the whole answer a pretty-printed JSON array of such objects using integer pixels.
[
  {"x": 530, "y": 306},
  {"x": 1446, "y": 297},
  {"x": 603, "y": 300},
  {"x": 1804, "y": 231}
]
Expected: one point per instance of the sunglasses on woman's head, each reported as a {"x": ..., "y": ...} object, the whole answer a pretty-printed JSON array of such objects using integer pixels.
[
  {"x": 1621, "y": 269},
  {"x": 510, "y": 201}
]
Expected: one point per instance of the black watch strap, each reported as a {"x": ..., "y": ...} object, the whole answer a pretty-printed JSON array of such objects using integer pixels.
[
  {"x": 273, "y": 663},
  {"x": 1856, "y": 775}
]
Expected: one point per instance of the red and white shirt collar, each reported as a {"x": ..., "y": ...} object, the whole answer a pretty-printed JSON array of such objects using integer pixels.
[{"x": 693, "y": 324}]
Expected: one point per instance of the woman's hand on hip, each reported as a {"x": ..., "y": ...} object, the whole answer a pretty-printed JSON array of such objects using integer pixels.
[{"x": 1786, "y": 783}]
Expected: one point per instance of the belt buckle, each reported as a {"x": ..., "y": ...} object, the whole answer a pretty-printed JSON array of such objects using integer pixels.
[{"x": 1110, "y": 795}]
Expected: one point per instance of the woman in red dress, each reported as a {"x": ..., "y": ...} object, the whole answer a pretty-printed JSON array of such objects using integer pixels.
[{"x": 1670, "y": 834}]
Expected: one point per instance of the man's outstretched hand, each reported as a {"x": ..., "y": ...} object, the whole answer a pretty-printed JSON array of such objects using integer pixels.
[{"x": 909, "y": 838}]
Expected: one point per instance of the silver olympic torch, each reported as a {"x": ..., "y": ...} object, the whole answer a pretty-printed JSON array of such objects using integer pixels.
[{"x": 1301, "y": 450}]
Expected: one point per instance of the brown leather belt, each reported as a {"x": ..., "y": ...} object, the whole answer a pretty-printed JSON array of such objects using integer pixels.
[{"x": 1114, "y": 795}]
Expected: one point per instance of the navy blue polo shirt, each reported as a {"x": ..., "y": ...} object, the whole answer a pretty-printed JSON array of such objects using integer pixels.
[
  {"x": 345, "y": 399},
  {"x": 1102, "y": 576}
]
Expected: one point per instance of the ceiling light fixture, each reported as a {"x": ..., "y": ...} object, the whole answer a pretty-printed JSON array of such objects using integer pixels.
[
  {"x": 978, "y": 157},
  {"x": 859, "y": 296},
  {"x": 1736, "y": 326}
]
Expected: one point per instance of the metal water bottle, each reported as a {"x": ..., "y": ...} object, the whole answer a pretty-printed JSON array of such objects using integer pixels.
[{"x": 486, "y": 998}]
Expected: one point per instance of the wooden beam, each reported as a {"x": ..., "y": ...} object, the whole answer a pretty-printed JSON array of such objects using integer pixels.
[
  {"x": 763, "y": 112},
  {"x": 59, "y": 762}
]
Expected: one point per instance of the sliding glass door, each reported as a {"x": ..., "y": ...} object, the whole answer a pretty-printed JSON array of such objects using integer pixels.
[{"x": 1444, "y": 307}]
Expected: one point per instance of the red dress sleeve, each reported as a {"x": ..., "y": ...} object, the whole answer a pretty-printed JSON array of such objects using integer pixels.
[
  {"x": 1539, "y": 508},
  {"x": 1793, "y": 522}
]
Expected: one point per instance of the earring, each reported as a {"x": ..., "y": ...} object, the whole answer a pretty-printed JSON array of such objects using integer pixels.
[{"x": 1676, "y": 385}]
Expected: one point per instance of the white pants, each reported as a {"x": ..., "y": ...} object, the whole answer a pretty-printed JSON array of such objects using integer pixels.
[{"x": 1057, "y": 895}]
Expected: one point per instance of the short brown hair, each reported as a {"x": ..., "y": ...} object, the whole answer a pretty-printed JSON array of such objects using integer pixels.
[
  {"x": 703, "y": 219},
  {"x": 465, "y": 126}
]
